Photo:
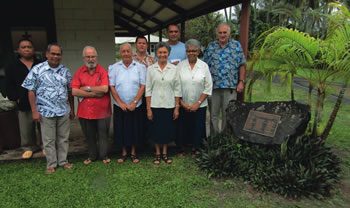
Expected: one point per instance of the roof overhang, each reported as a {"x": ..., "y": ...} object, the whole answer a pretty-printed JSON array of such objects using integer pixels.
[{"x": 142, "y": 17}]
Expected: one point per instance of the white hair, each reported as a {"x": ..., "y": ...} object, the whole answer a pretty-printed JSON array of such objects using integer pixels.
[
  {"x": 89, "y": 47},
  {"x": 224, "y": 24},
  {"x": 125, "y": 44}
]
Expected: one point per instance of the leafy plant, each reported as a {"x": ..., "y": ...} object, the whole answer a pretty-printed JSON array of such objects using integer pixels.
[
  {"x": 299, "y": 167},
  {"x": 319, "y": 61}
]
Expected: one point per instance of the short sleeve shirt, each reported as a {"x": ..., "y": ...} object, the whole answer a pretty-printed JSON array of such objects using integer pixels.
[
  {"x": 127, "y": 80},
  {"x": 51, "y": 86},
  {"x": 147, "y": 61},
  {"x": 92, "y": 108},
  {"x": 177, "y": 52},
  {"x": 224, "y": 63}
]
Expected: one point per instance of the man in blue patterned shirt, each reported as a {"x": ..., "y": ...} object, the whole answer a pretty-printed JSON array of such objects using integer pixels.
[
  {"x": 227, "y": 67},
  {"x": 49, "y": 95}
]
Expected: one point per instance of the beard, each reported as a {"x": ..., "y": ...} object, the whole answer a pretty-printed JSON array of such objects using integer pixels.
[{"x": 91, "y": 65}]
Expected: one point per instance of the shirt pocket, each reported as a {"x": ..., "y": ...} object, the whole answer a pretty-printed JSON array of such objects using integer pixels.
[{"x": 98, "y": 79}]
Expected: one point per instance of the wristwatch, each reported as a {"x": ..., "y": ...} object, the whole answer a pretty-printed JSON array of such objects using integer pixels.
[
  {"x": 88, "y": 88},
  {"x": 242, "y": 80},
  {"x": 200, "y": 102},
  {"x": 135, "y": 101}
]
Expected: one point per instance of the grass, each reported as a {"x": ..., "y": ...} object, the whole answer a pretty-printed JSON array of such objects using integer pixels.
[{"x": 24, "y": 184}]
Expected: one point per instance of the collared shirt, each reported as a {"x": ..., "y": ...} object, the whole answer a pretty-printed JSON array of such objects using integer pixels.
[
  {"x": 16, "y": 72},
  {"x": 147, "y": 61},
  {"x": 127, "y": 80},
  {"x": 224, "y": 63},
  {"x": 51, "y": 88},
  {"x": 163, "y": 85},
  {"x": 177, "y": 52},
  {"x": 92, "y": 108},
  {"x": 195, "y": 81}
]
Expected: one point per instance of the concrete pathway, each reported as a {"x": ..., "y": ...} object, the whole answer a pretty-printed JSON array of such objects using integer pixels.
[{"x": 76, "y": 145}]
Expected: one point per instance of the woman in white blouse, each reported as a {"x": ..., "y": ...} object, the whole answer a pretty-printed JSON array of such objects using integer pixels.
[
  {"x": 196, "y": 86},
  {"x": 163, "y": 92}
]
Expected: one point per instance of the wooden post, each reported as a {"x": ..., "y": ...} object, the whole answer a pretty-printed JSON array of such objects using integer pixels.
[
  {"x": 183, "y": 29},
  {"x": 160, "y": 35},
  {"x": 149, "y": 43},
  {"x": 244, "y": 34},
  {"x": 244, "y": 26}
]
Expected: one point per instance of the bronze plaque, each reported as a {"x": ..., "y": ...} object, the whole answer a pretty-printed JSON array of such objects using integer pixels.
[{"x": 262, "y": 123}]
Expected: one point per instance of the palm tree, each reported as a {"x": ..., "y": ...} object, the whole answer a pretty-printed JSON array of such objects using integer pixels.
[
  {"x": 317, "y": 60},
  {"x": 340, "y": 23}
]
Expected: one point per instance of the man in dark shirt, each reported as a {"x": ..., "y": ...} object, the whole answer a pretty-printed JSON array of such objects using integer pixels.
[{"x": 16, "y": 72}]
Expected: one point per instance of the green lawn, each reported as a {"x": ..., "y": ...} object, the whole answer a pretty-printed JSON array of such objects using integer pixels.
[{"x": 24, "y": 184}]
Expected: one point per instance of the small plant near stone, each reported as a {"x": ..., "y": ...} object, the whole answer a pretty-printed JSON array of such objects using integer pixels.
[{"x": 298, "y": 167}]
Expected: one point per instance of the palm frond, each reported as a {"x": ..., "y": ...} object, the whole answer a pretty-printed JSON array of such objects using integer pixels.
[{"x": 291, "y": 42}]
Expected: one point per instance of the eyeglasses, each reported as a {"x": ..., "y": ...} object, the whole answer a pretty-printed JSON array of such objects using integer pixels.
[
  {"x": 191, "y": 51},
  {"x": 90, "y": 57}
]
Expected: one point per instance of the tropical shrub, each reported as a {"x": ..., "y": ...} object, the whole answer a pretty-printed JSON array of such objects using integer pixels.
[{"x": 299, "y": 167}]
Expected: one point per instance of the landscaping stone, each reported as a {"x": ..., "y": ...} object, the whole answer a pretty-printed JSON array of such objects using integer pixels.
[{"x": 292, "y": 122}]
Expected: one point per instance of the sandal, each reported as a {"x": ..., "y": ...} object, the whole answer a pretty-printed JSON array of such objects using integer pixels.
[
  {"x": 50, "y": 170},
  {"x": 134, "y": 159},
  {"x": 87, "y": 161},
  {"x": 68, "y": 166},
  {"x": 166, "y": 159},
  {"x": 156, "y": 160},
  {"x": 106, "y": 161},
  {"x": 27, "y": 154},
  {"x": 122, "y": 159}
]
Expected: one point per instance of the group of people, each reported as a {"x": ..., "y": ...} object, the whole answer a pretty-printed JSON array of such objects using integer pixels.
[{"x": 161, "y": 99}]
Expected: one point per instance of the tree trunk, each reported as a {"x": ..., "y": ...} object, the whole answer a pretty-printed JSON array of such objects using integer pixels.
[
  {"x": 318, "y": 110},
  {"x": 334, "y": 113},
  {"x": 309, "y": 95}
]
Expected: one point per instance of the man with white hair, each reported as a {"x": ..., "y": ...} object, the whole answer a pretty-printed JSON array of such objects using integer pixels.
[
  {"x": 90, "y": 85},
  {"x": 127, "y": 79},
  {"x": 227, "y": 67}
]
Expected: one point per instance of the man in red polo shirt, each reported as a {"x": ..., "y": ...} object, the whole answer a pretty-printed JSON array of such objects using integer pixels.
[{"x": 90, "y": 85}]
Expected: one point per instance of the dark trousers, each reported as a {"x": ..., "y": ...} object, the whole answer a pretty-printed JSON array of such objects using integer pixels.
[{"x": 96, "y": 134}]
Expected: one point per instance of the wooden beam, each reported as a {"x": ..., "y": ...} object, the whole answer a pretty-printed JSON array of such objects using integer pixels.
[
  {"x": 130, "y": 19},
  {"x": 127, "y": 26},
  {"x": 138, "y": 6},
  {"x": 170, "y": 4},
  {"x": 155, "y": 12},
  {"x": 124, "y": 34},
  {"x": 139, "y": 12}
]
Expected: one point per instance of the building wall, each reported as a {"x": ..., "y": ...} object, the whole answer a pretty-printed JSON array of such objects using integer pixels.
[{"x": 85, "y": 22}]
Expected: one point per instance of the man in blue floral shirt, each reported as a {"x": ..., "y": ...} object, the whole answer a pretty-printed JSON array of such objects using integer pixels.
[
  {"x": 49, "y": 95},
  {"x": 227, "y": 67}
]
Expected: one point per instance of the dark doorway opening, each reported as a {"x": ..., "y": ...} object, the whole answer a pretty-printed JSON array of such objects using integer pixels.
[{"x": 34, "y": 19}]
